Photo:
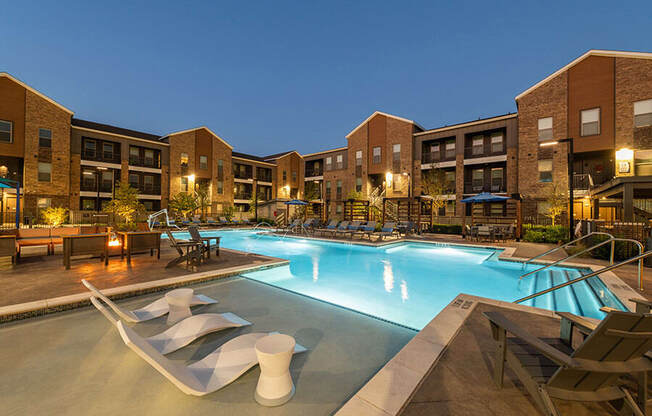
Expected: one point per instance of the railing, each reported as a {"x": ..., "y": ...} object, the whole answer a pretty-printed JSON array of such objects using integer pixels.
[
  {"x": 563, "y": 246},
  {"x": 146, "y": 162},
  {"x": 582, "y": 181},
  {"x": 472, "y": 188},
  {"x": 483, "y": 151},
  {"x": 638, "y": 258},
  {"x": 99, "y": 156},
  {"x": 264, "y": 178},
  {"x": 242, "y": 196},
  {"x": 313, "y": 172}
]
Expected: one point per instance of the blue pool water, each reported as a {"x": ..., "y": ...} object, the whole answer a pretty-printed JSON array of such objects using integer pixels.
[{"x": 410, "y": 283}]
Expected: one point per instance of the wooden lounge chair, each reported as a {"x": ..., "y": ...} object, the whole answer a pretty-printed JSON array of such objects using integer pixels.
[
  {"x": 193, "y": 253},
  {"x": 154, "y": 310},
  {"x": 218, "y": 369},
  {"x": 367, "y": 229},
  {"x": 388, "y": 230},
  {"x": 196, "y": 237},
  {"x": 589, "y": 373},
  {"x": 182, "y": 333}
]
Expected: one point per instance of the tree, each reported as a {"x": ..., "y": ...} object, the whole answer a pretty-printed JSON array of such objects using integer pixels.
[
  {"x": 228, "y": 211},
  {"x": 355, "y": 195},
  {"x": 203, "y": 197},
  {"x": 54, "y": 216},
  {"x": 435, "y": 185},
  {"x": 183, "y": 203},
  {"x": 252, "y": 201},
  {"x": 556, "y": 201},
  {"x": 125, "y": 203}
]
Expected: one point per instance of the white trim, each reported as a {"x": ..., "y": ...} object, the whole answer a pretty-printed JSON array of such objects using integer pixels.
[
  {"x": 32, "y": 90},
  {"x": 252, "y": 161},
  {"x": 149, "y": 197},
  {"x": 101, "y": 164},
  {"x": 470, "y": 123},
  {"x": 241, "y": 201},
  {"x": 325, "y": 151},
  {"x": 379, "y": 113},
  {"x": 264, "y": 183},
  {"x": 239, "y": 180},
  {"x": 592, "y": 52},
  {"x": 482, "y": 160},
  {"x": 91, "y": 194},
  {"x": 438, "y": 165},
  {"x": 314, "y": 178},
  {"x": 145, "y": 169},
  {"x": 199, "y": 128},
  {"x": 153, "y": 143}
]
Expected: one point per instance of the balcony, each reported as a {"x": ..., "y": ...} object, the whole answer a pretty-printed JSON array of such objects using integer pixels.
[
  {"x": 149, "y": 189},
  {"x": 484, "y": 151},
  {"x": 91, "y": 186},
  {"x": 146, "y": 162},
  {"x": 242, "y": 195},
  {"x": 475, "y": 187},
  {"x": 105, "y": 157},
  {"x": 264, "y": 178},
  {"x": 314, "y": 172}
]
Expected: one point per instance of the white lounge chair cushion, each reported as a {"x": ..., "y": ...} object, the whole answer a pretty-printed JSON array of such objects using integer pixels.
[{"x": 213, "y": 372}]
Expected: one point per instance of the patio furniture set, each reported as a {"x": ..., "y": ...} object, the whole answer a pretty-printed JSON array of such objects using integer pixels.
[
  {"x": 209, "y": 222},
  {"x": 271, "y": 350},
  {"x": 490, "y": 232},
  {"x": 197, "y": 248},
  {"x": 350, "y": 229}
]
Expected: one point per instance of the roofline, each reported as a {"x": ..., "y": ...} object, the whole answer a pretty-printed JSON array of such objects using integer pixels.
[
  {"x": 285, "y": 154},
  {"x": 375, "y": 113},
  {"x": 468, "y": 123},
  {"x": 195, "y": 129},
  {"x": 45, "y": 97},
  {"x": 592, "y": 52},
  {"x": 252, "y": 160},
  {"x": 325, "y": 151},
  {"x": 159, "y": 142}
]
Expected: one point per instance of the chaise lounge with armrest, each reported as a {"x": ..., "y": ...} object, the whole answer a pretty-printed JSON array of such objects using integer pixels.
[
  {"x": 388, "y": 230},
  {"x": 367, "y": 229}
]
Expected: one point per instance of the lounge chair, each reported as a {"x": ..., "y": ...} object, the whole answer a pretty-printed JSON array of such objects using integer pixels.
[
  {"x": 154, "y": 310},
  {"x": 194, "y": 250},
  {"x": 211, "y": 221},
  {"x": 341, "y": 229},
  {"x": 185, "y": 222},
  {"x": 367, "y": 229},
  {"x": 330, "y": 227},
  {"x": 589, "y": 373},
  {"x": 353, "y": 227},
  {"x": 484, "y": 232},
  {"x": 224, "y": 221},
  {"x": 196, "y": 220},
  {"x": 182, "y": 333},
  {"x": 293, "y": 224},
  {"x": 196, "y": 237},
  {"x": 213, "y": 372},
  {"x": 388, "y": 230}
]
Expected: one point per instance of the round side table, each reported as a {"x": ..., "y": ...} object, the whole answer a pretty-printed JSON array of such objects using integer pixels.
[
  {"x": 275, "y": 386},
  {"x": 179, "y": 304}
]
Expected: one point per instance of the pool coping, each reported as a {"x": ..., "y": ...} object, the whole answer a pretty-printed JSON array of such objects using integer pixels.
[{"x": 51, "y": 305}]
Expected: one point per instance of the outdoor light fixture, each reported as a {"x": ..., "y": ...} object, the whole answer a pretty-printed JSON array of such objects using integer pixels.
[
  {"x": 388, "y": 179},
  {"x": 624, "y": 162},
  {"x": 550, "y": 143},
  {"x": 191, "y": 177},
  {"x": 114, "y": 241}
]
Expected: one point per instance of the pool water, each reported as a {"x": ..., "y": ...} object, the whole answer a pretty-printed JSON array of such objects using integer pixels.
[{"x": 409, "y": 283}]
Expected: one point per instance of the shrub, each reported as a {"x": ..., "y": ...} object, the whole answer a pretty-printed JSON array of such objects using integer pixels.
[
  {"x": 533, "y": 236},
  {"x": 552, "y": 234},
  {"x": 54, "y": 216},
  {"x": 446, "y": 229},
  {"x": 622, "y": 251}
]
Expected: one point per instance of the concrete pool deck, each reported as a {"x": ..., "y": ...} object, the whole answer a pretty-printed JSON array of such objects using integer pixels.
[{"x": 75, "y": 362}]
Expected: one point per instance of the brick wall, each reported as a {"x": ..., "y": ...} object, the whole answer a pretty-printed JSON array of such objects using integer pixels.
[
  {"x": 181, "y": 143},
  {"x": 222, "y": 152},
  {"x": 633, "y": 83}
]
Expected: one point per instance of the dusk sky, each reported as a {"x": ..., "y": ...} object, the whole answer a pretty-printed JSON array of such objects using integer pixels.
[{"x": 277, "y": 75}]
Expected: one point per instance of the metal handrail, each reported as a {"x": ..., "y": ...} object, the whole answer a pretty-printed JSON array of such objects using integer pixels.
[
  {"x": 565, "y": 245},
  {"x": 586, "y": 276},
  {"x": 600, "y": 244},
  {"x": 641, "y": 249}
]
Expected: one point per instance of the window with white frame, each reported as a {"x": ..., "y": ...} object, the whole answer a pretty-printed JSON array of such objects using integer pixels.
[
  {"x": 329, "y": 163},
  {"x": 590, "y": 120},
  {"x": 358, "y": 184},
  {"x": 184, "y": 160},
  {"x": 496, "y": 142},
  {"x": 643, "y": 113},
  {"x": 44, "y": 172},
  {"x": 6, "y": 131},
  {"x": 42, "y": 203},
  {"x": 450, "y": 150},
  {"x": 477, "y": 180},
  {"x": 396, "y": 152},
  {"x": 339, "y": 162},
  {"x": 184, "y": 184},
  {"x": 545, "y": 129},
  {"x": 545, "y": 170},
  {"x": 434, "y": 152},
  {"x": 478, "y": 145},
  {"x": 220, "y": 187},
  {"x": 44, "y": 138},
  {"x": 203, "y": 162},
  {"x": 358, "y": 158},
  {"x": 376, "y": 155},
  {"x": 496, "y": 179}
]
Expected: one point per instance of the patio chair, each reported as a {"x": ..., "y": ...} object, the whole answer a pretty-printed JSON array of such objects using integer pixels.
[
  {"x": 211, "y": 221},
  {"x": 185, "y": 222},
  {"x": 367, "y": 229},
  {"x": 342, "y": 229},
  {"x": 388, "y": 230},
  {"x": 293, "y": 224},
  {"x": 589, "y": 373},
  {"x": 224, "y": 221},
  {"x": 182, "y": 333},
  {"x": 330, "y": 227},
  {"x": 194, "y": 250},
  {"x": 213, "y": 372},
  {"x": 353, "y": 227},
  {"x": 154, "y": 310},
  {"x": 484, "y": 232}
]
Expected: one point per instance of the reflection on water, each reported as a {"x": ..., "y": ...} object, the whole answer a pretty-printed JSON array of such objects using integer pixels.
[
  {"x": 315, "y": 268},
  {"x": 388, "y": 276},
  {"x": 404, "y": 291}
]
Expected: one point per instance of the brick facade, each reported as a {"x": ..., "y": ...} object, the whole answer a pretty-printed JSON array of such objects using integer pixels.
[{"x": 633, "y": 83}]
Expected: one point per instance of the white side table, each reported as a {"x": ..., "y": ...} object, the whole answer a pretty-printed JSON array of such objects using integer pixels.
[
  {"x": 179, "y": 304},
  {"x": 275, "y": 385}
]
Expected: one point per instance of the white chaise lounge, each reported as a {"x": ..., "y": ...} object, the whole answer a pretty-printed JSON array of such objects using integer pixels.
[
  {"x": 184, "y": 332},
  {"x": 216, "y": 370},
  {"x": 154, "y": 310}
]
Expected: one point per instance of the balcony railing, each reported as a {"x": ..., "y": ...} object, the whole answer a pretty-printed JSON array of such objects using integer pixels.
[
  {"x": 146, "y": 162},
  {"x": 242, "y": 195},
  {"x": 264, "y": 178},
  {"x": 314, "y": 172},
  {"x": 92, "y": 187},
  {"x": 245, "y": 175},
  {"x": 582, "y": 181},
  {"x": 101, "y": 156},
  {"x": 483, "y": 151},
  {"x": 435, "y": 157},
  {"x": 475, "y": 187}
]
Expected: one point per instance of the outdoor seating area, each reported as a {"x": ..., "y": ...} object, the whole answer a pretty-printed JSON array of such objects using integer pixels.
[
  {"x": 491, "y": 232},
  {"x": 369, "y": 230}
]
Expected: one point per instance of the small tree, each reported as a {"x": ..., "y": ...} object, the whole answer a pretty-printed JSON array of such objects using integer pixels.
[
  {"x": 183, "y": 203},
  {"x": 252, "y": 201},
  {"x": 203, "y": 196},
  {"x": 228, "y": 211},
  {"x": 355, "y": 195},
  {"x": 54, "y": 216},
  {"x": 556, "y": 200},
  {"x": 434, "y": 185},
  {"x": 125, "y": 203}
]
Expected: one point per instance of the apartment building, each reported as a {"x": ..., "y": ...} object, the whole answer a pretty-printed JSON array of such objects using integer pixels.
[{"x": 250, "y": 171}]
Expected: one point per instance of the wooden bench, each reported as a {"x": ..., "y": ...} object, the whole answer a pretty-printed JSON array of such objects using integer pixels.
[
  {"x": 136, "y": 241},
  {"x": 8, "y": 247},
  {"x": 85, "y": 244}
]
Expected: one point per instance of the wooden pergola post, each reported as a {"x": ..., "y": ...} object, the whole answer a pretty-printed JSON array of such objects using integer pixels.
[{"x": 383, "y": 215}]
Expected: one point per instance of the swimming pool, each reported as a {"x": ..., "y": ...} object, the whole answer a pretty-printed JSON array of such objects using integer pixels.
[{"x": 409, "y": 283}]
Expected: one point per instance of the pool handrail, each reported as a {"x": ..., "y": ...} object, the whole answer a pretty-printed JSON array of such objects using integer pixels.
[
  {"x": 638, "y": 258},
  {"x": 552, "y": 250}
]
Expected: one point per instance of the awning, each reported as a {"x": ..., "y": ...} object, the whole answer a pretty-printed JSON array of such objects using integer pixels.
[
  {"x": 485, "y": 197},
  {"x": 296, "y": 202}
]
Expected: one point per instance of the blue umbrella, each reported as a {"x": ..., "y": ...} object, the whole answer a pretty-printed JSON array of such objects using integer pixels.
[
  {"x": 4, "y": 185},
  {"x": 485, "y": 197},
  {"x": 296, "y": 202}
]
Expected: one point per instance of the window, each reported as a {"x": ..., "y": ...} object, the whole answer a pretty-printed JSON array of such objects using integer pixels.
[
  {"x": 134, "y": 155},
  {"x": 149, "y": 205},
  {"x": 220, "y": 187},
  {"x": 450, "y": 150},
  {"x": 450, "y": 208},
  {"x": 358, "y": 184},
  {"x": 642, "y": 113},
  {"x": 396, "y": 152},
  {"x": 338, "y": 209},
  {"x": 435, "y": 152},
  {"x": 220, "y": 170},
  {"x": 339, "y": 164},
  {"x": 329, "y": 163},
  {"x": 90, "y": 147},
  {"x": 477, "y": 179},
  {"x": 43, "y": 203},
  {"x": 496, "y": 142},
  {"x": 294, "y": 176},
  {"x": 184, "y": 160},
  {"x": 148, "y": 183},
  {"x": 44, "y": 138},
  {"x": 496, "y": 179},
  {"x": 545, "y": 170},
  {"x": 328, "y": 189},
  {"x": 107, "y": 180},
  {"x": 339, "y": 190},
  {"x": 149, "y": 157},
  {"x": 358, "y": 158},
  {"x": 478, "y": 145},
  {"x": 285, "y": 176},
  {"x": 107, "y": 151},
  {"x": 590, "y": 122},
  {"x": 545, "y": 129},
  {"x": 6, "y": 131},
  {"x": 88, "y": 180},
  {"x": 44, "y": 172},
  {"x": 449, "y": 177},
  {"x": 376, "y": 155},
  {"x": 184, "y": 184},
  {"x": 203, "y": 162},
  {"x": 134, "y": 180},
  {"x": 88, "y": 204}
]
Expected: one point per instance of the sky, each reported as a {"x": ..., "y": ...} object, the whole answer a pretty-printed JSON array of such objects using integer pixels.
[{"x": 280, "y": 75}]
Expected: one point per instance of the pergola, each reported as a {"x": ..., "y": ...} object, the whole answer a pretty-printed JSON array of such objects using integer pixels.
[{"x": 624, "y": 188}]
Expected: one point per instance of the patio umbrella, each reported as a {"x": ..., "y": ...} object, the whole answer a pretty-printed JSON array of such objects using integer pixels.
[{"x": 484, "y": 197}]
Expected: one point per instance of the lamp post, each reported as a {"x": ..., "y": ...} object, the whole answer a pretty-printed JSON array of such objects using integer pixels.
[{"x": 568, "y": 140}]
